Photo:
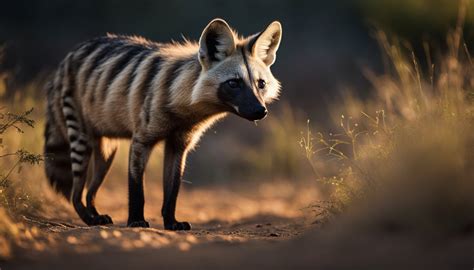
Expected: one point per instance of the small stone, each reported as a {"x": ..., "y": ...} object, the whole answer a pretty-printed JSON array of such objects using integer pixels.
[
  {"x": 117, "y": 234},
  {"x": 72, "y": 240},
  {"x": 104, "y": 234},
  {"x": 183, "y": 246}
]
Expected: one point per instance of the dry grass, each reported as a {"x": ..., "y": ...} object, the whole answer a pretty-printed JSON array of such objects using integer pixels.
[
  {"x": 15, "y": 198},
  {"x": 404, "y": 158}
]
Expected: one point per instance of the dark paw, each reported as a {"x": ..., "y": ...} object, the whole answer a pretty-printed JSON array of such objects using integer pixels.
[
  {"x": 178, "y": 226},
  {"x": 103, "y": 220},
  {"x": 140, "y": 223},
  {"x": 99, "y": 220}
]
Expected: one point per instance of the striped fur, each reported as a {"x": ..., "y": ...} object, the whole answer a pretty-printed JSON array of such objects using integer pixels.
[{"x": 129, "y": 87}]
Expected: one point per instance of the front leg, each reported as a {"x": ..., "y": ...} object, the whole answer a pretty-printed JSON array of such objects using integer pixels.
[
  {"x": 175, "y": 158},
  {"x": 138, "y": 158}
]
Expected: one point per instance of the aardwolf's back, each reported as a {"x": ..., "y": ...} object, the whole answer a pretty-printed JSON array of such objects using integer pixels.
[{"x": 82, "y": 86}]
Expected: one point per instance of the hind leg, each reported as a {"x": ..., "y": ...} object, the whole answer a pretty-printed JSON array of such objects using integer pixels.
[
  {"x": 100, "y": 169},
  {"x": 80, "y": 156},
  {"x": 81, "y": 152}
]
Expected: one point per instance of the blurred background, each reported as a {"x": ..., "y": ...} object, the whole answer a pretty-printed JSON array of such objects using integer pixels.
[{"x": 326, "y": 47}]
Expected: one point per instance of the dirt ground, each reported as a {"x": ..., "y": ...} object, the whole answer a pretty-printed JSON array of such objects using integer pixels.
[
  {"x": 262, "y": 226},
  {"x": 229, "y": 219}
]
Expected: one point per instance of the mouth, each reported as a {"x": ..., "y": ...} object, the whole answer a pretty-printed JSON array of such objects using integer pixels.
[{"x": 254, "y": 118}]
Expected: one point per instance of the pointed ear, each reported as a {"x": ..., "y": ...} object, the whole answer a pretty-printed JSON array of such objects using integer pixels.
[
  {"x": 216, "y": 42},
  {"x": 265, "y": 44}
]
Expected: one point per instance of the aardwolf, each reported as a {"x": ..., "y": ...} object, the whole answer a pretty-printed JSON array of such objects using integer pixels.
[{"x": 129, "y": 87}]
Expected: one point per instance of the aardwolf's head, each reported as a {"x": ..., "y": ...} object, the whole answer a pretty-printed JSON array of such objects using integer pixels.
[{"x": 236, "y": 71}]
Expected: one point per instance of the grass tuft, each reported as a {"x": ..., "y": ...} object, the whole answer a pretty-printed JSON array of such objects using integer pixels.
[{"x": 404, "y": 158}]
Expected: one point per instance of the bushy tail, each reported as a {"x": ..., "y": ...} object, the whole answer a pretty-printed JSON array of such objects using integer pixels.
[{"x": 57, "y": 152}]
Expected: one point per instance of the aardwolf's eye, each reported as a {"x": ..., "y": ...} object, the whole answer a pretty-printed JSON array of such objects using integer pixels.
[
  {"x": 234, "y": 83},
  {"x": 261, "y": 84}
]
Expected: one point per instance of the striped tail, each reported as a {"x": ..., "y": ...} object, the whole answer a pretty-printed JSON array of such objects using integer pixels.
[{"x": 57, "y": 153}]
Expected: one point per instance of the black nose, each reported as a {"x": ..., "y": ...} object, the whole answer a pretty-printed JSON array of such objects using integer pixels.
[{"x": 259, "y": 113}]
